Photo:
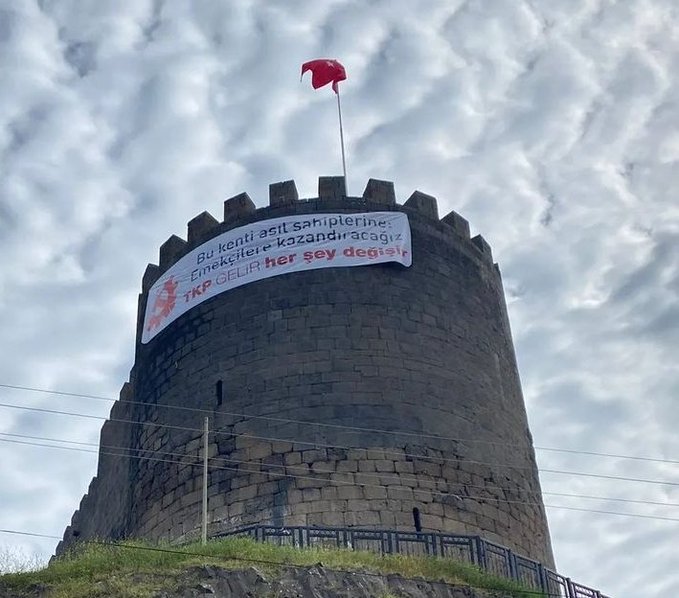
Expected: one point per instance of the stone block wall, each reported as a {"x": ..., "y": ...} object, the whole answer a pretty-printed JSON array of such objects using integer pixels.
[{"x": 341, "y": 396}]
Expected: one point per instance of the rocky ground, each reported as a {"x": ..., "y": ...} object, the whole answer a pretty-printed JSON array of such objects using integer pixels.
[{"x": 290, "y": 582}]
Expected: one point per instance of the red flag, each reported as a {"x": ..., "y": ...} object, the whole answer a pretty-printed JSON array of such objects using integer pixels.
[{"x": 323, "y": 71}]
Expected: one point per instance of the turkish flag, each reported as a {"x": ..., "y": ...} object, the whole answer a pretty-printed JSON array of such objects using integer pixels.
[{"x": 323, "y": 71}]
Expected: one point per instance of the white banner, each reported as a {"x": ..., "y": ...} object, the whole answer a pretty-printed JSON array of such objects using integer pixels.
[{"x": 272, "y": 247}]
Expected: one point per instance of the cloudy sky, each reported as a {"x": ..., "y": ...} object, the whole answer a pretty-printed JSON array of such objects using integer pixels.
[{"x": 552, "y": 125}]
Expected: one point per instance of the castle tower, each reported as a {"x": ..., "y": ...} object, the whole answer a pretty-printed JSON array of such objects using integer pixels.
[{"x": 363, "y": 396}]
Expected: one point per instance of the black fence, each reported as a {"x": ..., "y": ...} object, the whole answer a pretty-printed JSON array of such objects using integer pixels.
[{"x": 491, "y": 557}]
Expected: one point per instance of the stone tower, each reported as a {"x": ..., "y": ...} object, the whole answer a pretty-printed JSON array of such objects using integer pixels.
[{"x": 337, "y": 396}]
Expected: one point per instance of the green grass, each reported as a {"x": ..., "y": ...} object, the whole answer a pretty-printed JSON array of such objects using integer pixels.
[{"x": 96, "y": 570}]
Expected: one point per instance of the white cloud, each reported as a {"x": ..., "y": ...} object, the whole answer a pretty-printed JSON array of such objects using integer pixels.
[{"x": 550, "y": 125}]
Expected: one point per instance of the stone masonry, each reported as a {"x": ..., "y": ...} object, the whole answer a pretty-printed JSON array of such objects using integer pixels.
[{"x": 336, "y": 397}]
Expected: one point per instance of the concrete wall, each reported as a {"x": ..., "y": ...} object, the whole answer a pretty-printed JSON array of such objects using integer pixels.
[{"x": 409, "y": 355}]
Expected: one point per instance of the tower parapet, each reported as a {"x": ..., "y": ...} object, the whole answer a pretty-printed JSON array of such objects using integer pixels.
[{"x": 353, "y": 396}]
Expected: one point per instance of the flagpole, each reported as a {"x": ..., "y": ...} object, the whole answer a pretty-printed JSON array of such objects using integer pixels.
[{"x": 344, "y": 162}]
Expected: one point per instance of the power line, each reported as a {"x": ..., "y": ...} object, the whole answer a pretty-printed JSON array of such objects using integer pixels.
[
  {"x": 54, "y": 411},
  {"x": 35, "y": 535},
  {"x": 610, "y": 477},
  {"x": 65, "y": 448},
  {"x": 612, "y": 455},
  {"x": 313, "y": 475},
  {"x": 29, "y": 437},
  {"x": 553, "y": 471},
  {"x": 638, "y": 515},
  {"x": 340, "y": 426},
  {"x": 58, "y": 392},
  {"x": 221, "y": 432},
  {"x": 613, "y": 499},
  {"x": 300, "y": 466},
  {"x": 426, "y": 492}
]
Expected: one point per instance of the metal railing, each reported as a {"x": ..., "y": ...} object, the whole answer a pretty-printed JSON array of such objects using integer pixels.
[{"x": 493, "y": 558}]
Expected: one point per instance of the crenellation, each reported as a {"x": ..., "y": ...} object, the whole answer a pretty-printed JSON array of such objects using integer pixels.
[
  {"x": 459, "y": 224},
  {"x": 127, "y": 391},
  {"x": 73, "y": 530},
  {"x": 201, "y": 228},
  {"x": 120, "y": 411},
  {"x": 332, "y": 187},
  {"x": 380, "y": 192},
  {"x": 283, "y": 194},
  {"x": 424, "y": 204},
  {"x": 238, "y": 207},
  {"x": 378, "y": 195},
  {"x": 170, "y": 251},
  {"x": 482, "y": 245},
  {"x": 151, "y": 274}
]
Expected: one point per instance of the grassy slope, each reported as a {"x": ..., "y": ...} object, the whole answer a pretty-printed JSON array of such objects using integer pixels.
[{"x": 108, "y": 570}]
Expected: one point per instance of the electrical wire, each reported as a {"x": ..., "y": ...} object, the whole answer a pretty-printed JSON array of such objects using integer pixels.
[
  {"x": 402, "y": 477},
  {"x": 552, "y": 471},
  {"x": 340, "y": 426},
  {"x": 426, "y": 492},
  {"x": 35, "y": 535}
]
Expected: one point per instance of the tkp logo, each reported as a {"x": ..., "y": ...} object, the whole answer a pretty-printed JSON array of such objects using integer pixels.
[{"x": 166, "y": 299}]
